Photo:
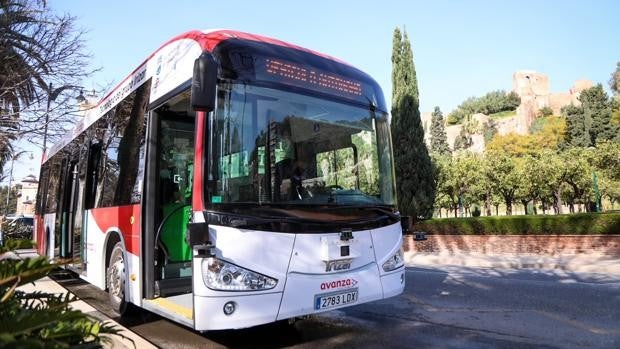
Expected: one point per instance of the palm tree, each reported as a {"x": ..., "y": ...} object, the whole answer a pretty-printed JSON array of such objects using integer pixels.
[
  {"x": 21, "y": 59},
  {"x": 37, "y": 49}
]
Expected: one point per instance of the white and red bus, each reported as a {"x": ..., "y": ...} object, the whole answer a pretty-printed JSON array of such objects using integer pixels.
[{"x": 230, "y": 180}]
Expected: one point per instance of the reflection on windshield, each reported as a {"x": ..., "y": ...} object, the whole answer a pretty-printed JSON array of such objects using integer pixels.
[{"x": 276, "y": 147}]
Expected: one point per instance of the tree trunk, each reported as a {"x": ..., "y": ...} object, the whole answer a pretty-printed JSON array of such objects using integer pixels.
[
  {"x": 508, "y": 208},
  {"x": 558, "y": 202},
  {"x": 487, "y": 205}
]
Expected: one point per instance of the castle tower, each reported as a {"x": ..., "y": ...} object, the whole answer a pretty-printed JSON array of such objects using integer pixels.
[{"x": 27, "y": 196}]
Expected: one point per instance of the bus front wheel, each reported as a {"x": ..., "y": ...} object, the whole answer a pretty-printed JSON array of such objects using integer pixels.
[{"x": 115, "y": 279}]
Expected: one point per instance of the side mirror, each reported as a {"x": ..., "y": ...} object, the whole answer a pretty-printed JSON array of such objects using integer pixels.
[
  {"x": 197, "y": 234},
  {"x": 204, "y": 82}
]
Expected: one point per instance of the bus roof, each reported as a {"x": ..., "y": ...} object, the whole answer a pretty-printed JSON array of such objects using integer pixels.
[{"x": 175, "y": 56}]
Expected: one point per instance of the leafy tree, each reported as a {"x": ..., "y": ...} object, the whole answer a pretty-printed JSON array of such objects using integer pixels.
[
  {"x": 512, "y": 144},
  {"x": 41, "y": 57},
  {"x": 439, "y": 140},
  {"x": 597, "y": 112},
  {"x": 464, "y": 139},
  {"x": 548, "y": 132},
  {"x": 491, "y": 103},
  {"x": 40, "y": 319},
  {"x": 545, "y": 111},
  {"x": 12, "y": 204},
  {"x": 614, "y": 82},
  {"x": 414, "y": 173},
  {"x": 615, "y": 113},
  {"x": 468, "y": 171},
  {"x": 489, "y": 130},
  {"x": 523, "y": 194},
  {"x": 577, "y": 175},
  {"x": 504, "y": 177},
  {"x": 445, "y": 181},
  {"x": 609, "y": 189},
  {"x": 542, "y": 179},
  {"x": 606, "y": 159}
]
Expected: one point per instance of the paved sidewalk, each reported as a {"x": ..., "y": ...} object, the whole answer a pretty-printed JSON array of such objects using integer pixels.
[
  {"x": 586, "y": 263},
  {"x": 116, "y": 342}
]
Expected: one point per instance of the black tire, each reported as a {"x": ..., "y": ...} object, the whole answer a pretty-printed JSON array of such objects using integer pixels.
[{"x": 116, "y": 279}]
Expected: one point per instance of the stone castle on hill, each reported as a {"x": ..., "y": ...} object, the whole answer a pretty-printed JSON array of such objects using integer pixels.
[{"x": 533, "y": 88}]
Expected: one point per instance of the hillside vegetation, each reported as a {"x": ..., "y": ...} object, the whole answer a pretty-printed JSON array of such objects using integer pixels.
[{"x": 491, "y": 103}]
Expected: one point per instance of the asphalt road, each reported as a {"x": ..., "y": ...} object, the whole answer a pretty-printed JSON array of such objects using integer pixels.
[{"x": 441, "y": 308}]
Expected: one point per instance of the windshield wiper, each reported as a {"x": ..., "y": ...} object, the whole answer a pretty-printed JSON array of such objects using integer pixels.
[{"x": 379, "y": 209}]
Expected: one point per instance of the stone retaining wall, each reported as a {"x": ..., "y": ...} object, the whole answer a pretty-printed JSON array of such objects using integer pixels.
[{"x": 550, "y": 245}]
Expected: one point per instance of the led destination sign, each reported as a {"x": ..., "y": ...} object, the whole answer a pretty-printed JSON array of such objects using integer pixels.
[
  {"x": 308, "y": 77},
  {"x": 312, "y": 77}
]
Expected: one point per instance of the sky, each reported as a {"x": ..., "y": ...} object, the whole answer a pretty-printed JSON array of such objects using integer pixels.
[{"x": 461, "y": 48}]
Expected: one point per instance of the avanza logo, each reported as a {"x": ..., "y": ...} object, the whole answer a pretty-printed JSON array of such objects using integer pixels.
[{"x": 338, "y": 284}]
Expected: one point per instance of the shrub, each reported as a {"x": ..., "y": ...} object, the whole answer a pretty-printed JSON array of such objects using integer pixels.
[
  {"x": 545, "y": 111},
  {"x": 475, "y": 212},
  {"x": 40, "y": 319},
  {"x": 574, "y": 224},
  {"x": 492, "y": 102}
]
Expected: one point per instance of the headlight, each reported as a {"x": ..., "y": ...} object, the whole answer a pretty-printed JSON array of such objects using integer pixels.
[
  {"x": 224, "y": 276},
  {"x": 396, "y": 261}
]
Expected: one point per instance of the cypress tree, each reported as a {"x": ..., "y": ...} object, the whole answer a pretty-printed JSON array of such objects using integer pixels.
[
  {"x": 439, "y": 140},
  {"x": 576, "y": 130},
  {"x": 414, "y": 174},
  {"x": 397, "y": 47}
]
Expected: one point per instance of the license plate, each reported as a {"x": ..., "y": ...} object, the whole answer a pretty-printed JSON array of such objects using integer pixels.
[{"x": 335, "y": 299}]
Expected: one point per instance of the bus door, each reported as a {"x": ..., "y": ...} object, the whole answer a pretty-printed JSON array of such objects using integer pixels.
[
  {"x": 71, "y": 244},
  {"x": 67, "y": 208},
  {"x": 174, "y": 149}
]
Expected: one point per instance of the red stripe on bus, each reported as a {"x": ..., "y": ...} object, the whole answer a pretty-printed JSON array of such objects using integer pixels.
[
  {"x": 123, "y": 218},
  {"x": 198, "y": 203},
  {"x": 210, "y": 40},
  {"x": 40, "y": 236}
]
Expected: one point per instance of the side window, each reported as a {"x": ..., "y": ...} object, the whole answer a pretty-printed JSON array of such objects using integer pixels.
[
  {"x": 54, "y": 183},
  {"x": 91, "y": 173},
  {"x": 42, "y": 192},
  {"x": 122, "y": 142}
]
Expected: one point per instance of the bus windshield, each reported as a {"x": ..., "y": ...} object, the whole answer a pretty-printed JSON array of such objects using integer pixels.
[{"x": 270, "y": 146}]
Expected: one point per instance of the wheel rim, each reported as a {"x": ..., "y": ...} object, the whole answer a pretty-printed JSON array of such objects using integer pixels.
[{"x": 116, "y": 277}]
